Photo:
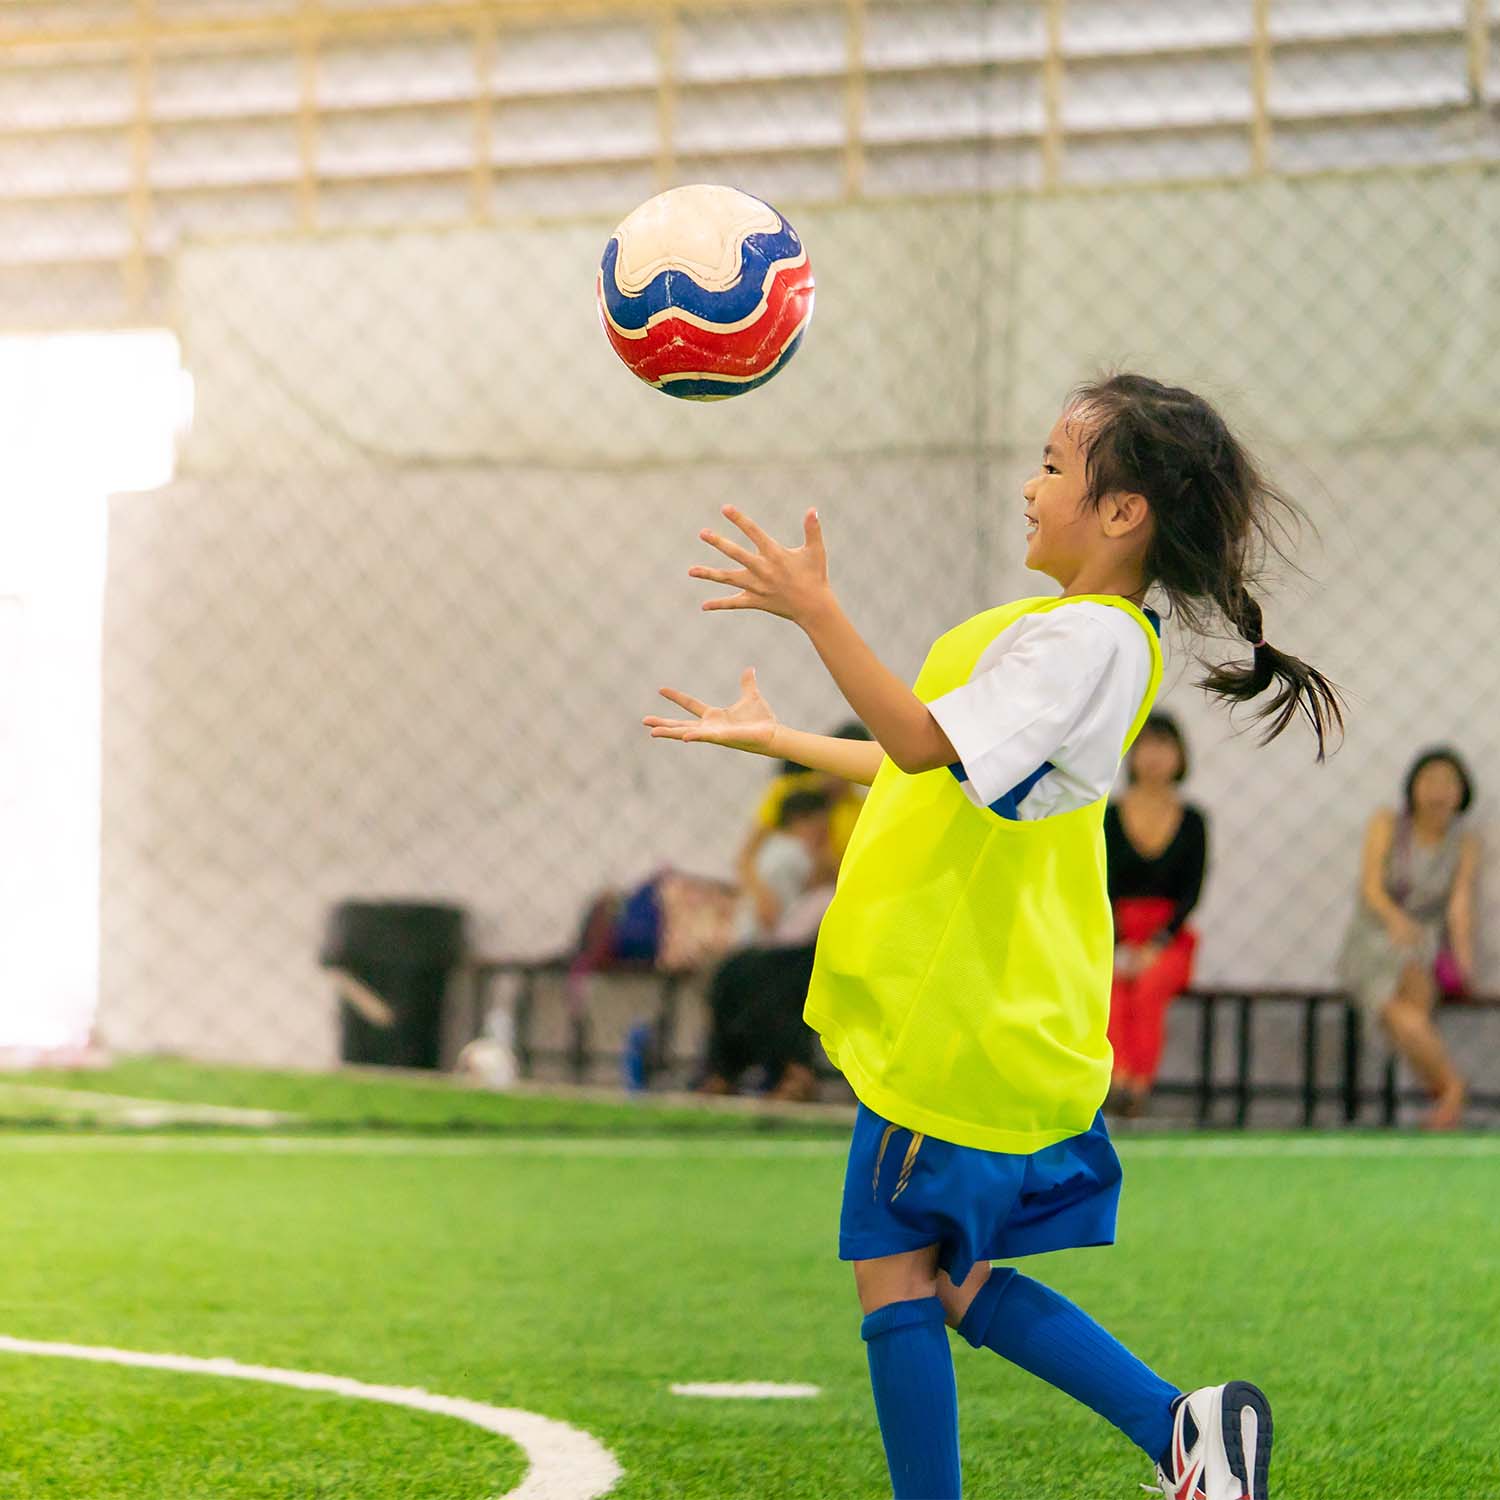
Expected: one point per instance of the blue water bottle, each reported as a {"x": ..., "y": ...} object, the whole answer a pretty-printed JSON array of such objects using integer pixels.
[{"x": 637, "y": 1059}]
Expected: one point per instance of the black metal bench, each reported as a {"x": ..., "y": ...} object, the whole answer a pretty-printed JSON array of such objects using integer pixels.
[
  {"x": 1208, "y": 1090},
  {"x": 1235, "y": 1005}
]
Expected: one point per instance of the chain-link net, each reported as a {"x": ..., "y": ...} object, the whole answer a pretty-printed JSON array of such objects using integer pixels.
[{"x": 390, "y": 631}]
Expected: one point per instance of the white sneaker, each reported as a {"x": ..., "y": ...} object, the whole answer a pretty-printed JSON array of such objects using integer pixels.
[{"x": 1221, "y": 1446}]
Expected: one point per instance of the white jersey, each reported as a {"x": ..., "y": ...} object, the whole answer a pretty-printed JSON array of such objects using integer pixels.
[{"x": 1041, "y": 722}]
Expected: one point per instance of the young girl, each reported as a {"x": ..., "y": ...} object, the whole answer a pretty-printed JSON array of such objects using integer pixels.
[
  {"x": 963, "y": 970},
  {"x": 1156, "y": 847}
]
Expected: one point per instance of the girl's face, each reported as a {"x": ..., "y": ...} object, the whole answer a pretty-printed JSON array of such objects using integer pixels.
[
  {"x": 1060, "y": 522},
  {"x": 1086, "y": 545},
  {"x": 1155, "y": 761},
  {"x": 1438, "y": 790}
]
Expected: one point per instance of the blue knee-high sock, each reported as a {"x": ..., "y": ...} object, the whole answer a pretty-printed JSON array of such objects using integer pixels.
[
  {"x": 916, "y": 1400},
  {"x": 1034, "y": 1327}
]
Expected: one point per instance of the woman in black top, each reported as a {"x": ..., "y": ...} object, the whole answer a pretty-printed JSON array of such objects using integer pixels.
[{"x": 1157, "y": 848}]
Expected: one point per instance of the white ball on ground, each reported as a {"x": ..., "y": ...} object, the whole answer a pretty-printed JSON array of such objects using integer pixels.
[{"x": 487, "y": 1062}]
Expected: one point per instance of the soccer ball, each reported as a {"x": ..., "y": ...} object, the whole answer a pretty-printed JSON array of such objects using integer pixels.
[{"x": 705, "y": 292}]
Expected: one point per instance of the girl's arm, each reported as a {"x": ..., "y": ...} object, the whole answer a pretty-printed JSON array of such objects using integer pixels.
[
  {"x": 1372, "y": 866},
  {"x": 853, "y": 760},
  {"x": 1461, "y": 906},
  {"x": 1372, "y": 880},
  {"x": 750, "y": 725},
  {"x": 902, "y": 724},
  {"x": 793, "y": 582},
  {"x": 751, "y": 847},
  {"x": 761, "y": 895},
  {"x": 1192, "y": 891}
]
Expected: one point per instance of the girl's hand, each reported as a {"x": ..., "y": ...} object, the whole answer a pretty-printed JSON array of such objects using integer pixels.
[
  {"x": 1404, "y": 932},
  {"x": 747, "y": 724},
  {"x": 788, "y": 581},
  {"x": 767, "y": 907}
]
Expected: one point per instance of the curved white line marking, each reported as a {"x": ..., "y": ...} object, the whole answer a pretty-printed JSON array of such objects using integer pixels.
[
  {"x": 754, "y": 1390},
  {"x": 565, "y": 1464}
]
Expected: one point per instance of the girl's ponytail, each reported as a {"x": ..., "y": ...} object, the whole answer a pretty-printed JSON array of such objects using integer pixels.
[
  {"x": 1214, "y": 519},
  {"x": 1301, "y": 687}
]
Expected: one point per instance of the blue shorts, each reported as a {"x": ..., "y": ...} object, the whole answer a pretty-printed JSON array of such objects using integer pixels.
[{"x": 902, "y": 1192}]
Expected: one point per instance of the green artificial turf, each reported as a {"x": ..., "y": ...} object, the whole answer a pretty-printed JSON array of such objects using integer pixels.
[
  {"x": 365, "y": 1100},
  {"x": 1356, "y": 1279}
]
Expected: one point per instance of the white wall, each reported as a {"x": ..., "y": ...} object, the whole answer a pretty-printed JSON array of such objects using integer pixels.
[{"x": 395, "y": 633}]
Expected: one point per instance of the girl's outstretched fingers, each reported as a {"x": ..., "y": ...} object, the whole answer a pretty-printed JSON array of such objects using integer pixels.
[
  {"x": 747, "y": 724},
  {"x": 675, "y": 729},
  {"x": 695, "y": 706}
]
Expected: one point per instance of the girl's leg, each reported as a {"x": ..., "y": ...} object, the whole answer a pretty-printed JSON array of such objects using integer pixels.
[
  {"x": 1408, "y": 1023},
  {"x": 1035, "y": 1328},
  {"x": 733, "y": 997},
  {"x": 785, "y": 1040},
  {"x": 723, "y": 1062},
  {"x": 1156, "y": 988},
  {"x": 911, "y": 1372},
  {"x": 1122, "y": 1031}
]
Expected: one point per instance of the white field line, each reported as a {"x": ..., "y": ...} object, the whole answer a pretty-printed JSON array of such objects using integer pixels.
[
  {"x": 746, "y": 1390},
  {"x": 565, "y": 1463},
  {"x": 1175, "y": 1148},
  {"x": 122, "y": 1109}
]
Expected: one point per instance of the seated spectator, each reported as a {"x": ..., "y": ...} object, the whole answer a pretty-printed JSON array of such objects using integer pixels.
[
  {"x": 845, "y": 798},
  {"x": 757, "y": 993},
  {"x": 1414, "y": 919},
  {"x": 1157, "y": 846}
]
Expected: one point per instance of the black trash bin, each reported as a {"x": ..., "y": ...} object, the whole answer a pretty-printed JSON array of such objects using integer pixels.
[{"x": 406, "y": 953}]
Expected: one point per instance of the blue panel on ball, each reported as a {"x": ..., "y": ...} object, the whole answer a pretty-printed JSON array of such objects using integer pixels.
[{"x": 676, "y": 289}]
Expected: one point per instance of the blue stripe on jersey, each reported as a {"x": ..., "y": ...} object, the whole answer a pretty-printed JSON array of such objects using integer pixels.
[{"x": 1009, "y": 806}]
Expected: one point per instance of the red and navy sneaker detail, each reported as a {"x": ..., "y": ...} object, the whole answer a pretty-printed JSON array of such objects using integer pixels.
[{"x": 1220, "y": 1448}]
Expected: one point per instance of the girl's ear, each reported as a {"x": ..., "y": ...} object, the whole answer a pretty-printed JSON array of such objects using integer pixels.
[{"x": 1123, "y": 513}]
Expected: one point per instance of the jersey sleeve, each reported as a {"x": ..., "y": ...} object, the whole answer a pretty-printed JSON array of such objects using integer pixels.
[{"x": 1045, "y": 700}]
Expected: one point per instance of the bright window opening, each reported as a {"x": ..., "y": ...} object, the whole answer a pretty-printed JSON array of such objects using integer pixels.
[{"x": 82, "y": 416}]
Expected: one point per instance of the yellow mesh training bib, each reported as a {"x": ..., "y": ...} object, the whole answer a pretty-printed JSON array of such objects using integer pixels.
[{"x": 963, "y": 969}]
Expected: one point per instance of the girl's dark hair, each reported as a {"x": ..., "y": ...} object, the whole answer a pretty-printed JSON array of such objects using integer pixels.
[
  {"x": 1445, "y": 755},
  {"x": 1169, "y": 729},
  {"x": 852, "y": 729},
  {"x": 801, "y": 805},
  {"x": 1216, "y": 518}
]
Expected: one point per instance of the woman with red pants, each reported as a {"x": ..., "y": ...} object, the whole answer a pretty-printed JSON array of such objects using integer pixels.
[{"x": 1157, "y": 848}]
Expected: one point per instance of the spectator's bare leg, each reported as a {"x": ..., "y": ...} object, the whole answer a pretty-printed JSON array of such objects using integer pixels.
[{"x": 1408, "y": 1022}]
